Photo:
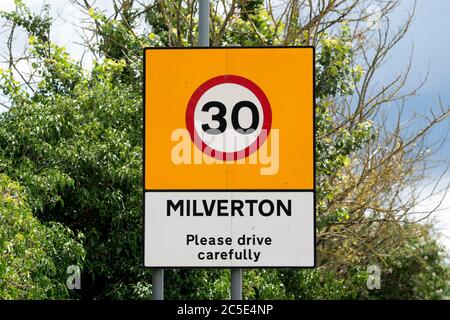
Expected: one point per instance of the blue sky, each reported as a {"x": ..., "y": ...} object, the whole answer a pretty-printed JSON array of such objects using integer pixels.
[{"x": 429, "y": 35}]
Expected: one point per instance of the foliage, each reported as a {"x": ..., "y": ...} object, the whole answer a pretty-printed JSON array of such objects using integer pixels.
[
  {"x": 415, "y": 270},
  {"x": 197, "y": 284},
  {"x": 33, "y": 256},
  {"x": 80, "y": 159}
]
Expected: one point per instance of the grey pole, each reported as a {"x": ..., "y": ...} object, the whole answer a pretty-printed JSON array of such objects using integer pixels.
[
  {"x": 236, "y": 284},
  {"x": 203, "y": 19},
  {"x": 158, "y": 284},
  {"x": 203, "y": 41}
]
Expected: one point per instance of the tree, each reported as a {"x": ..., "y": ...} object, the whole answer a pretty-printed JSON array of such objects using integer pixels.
[{"x": 34, "y": 256}]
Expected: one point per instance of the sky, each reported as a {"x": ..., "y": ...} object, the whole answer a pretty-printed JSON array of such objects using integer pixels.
[{"x": 428, "y": 37}]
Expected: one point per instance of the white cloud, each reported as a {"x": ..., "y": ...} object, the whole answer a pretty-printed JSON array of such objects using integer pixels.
[
  {"x": 7, "y": 5},
  {"x": 66, "y": 29},
  {"x": 440, "y": 202}
]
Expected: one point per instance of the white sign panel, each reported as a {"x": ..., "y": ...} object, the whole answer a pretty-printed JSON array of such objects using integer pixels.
[{"x": 229, "y": 229}]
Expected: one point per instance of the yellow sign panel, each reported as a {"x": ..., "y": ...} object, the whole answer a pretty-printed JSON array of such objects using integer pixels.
[{"x": 229, "y": 119}]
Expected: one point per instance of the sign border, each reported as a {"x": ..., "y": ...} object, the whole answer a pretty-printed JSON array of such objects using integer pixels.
[{"x": 313, "y": 190}]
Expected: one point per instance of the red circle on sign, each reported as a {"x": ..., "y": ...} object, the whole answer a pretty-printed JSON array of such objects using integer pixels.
[{"x": 236, "y": 155}]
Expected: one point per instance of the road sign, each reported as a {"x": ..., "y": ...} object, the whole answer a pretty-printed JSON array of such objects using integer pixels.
[{"x": 229, "y": 157}]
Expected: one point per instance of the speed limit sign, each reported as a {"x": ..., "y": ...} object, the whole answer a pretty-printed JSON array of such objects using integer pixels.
[
  {"x": 229, "y": 157},
  {"x": 228, "y": 117}
]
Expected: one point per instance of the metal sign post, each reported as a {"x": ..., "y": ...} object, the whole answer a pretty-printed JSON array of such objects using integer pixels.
[
  {"x": 203, "y": 41},
  {"x": 158, "y": 284},
  {"x": 236, "y": 284},
  {"x": 203, "y": 20}
]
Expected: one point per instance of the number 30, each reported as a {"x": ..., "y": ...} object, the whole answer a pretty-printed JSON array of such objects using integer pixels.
[{"x": 220, "y": 117}]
